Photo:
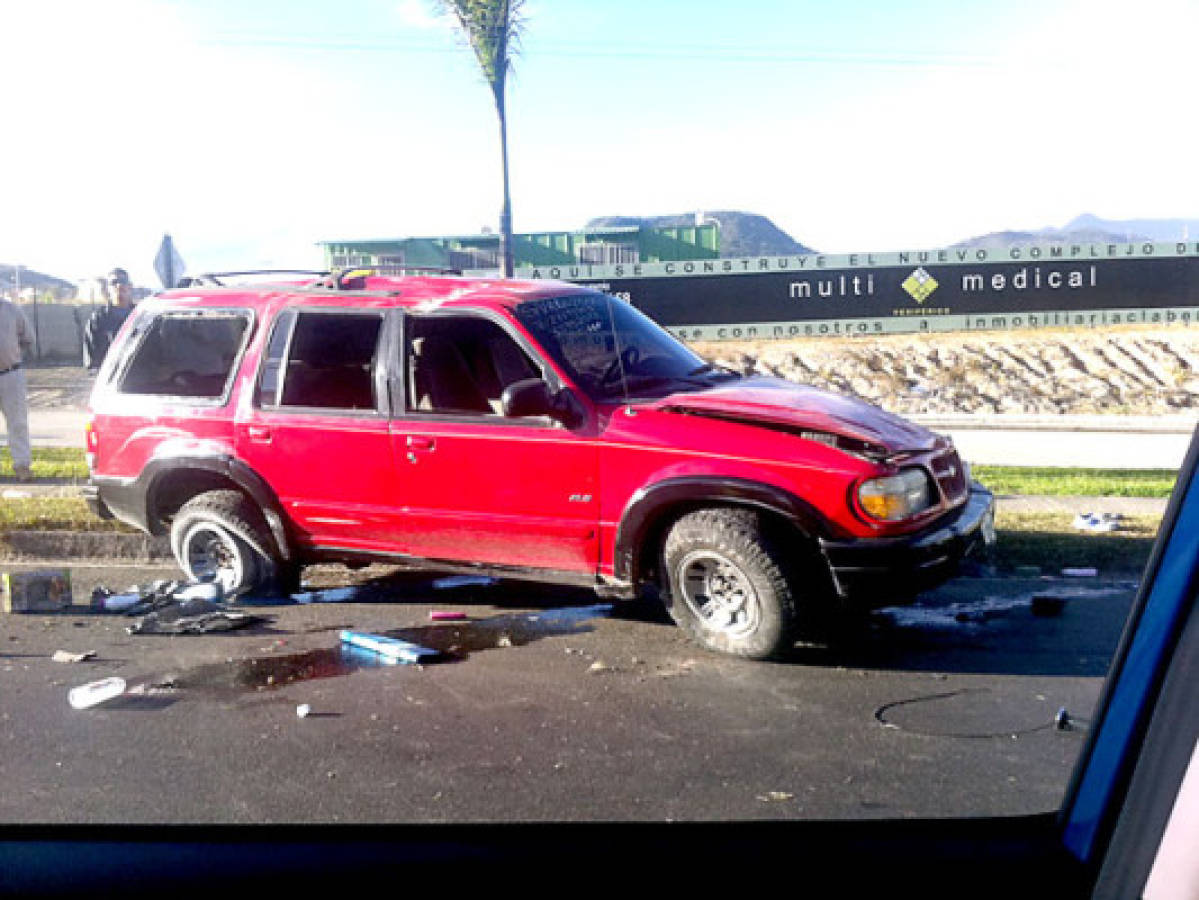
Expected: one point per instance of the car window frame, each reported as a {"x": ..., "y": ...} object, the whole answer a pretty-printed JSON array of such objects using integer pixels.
[
  {"x": 290, "y": 315},
  {"x": 143, "y": 321},
  {"x": 400, "y": 407}
]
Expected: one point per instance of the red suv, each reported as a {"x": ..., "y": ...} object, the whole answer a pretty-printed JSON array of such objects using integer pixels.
[{"x": 536, "y": 430}]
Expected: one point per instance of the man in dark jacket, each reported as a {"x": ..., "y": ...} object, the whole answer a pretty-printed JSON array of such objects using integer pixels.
[{"x": 103, "y": 325}]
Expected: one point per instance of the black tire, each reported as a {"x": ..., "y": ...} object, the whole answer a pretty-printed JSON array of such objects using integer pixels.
[
  {"x": 727, "y": 585},
  {"x": 221, "y": 534}
]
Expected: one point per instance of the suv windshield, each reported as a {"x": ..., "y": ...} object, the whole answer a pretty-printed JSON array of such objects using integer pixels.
[{"x": 611, "y": 350}]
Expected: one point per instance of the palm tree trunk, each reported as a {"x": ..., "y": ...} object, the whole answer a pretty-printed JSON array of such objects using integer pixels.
[{"x": 506, "y": 256}]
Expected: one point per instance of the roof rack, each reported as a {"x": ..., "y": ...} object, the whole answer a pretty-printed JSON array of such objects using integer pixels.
[
  {"x": 214, "y": 278},
  {"x": 351, "y": 279},
  {"x": 337, "y": 279}
]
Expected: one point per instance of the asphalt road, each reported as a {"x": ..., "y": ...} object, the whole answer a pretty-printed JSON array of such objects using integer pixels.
[{"x": 548, "y": 706}]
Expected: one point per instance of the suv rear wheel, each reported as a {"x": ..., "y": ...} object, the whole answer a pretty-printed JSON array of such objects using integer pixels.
[
  {"x": 727, "y": 585},
  {"x": 215, "y": 535}
]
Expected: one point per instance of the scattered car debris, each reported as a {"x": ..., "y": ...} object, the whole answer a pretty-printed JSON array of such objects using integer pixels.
[
  {"x": 173, "y": 607},
  {"x": 65, "y": 656},
  {"x": 195, "y": 616},
  {"x": 454, "y": 581},
  {"x": 96, "y": 692},
  {"x": 951, "y": 615},
  {"x": 200, "y": 590},
  {"x": 776, "y": 796},
  {"x": 387, "y": 646},
  {"x": 104, "y": 600},
  {"x": 141, "y": 599},
  {"x": 332, "y": 595},
  {"x": 1098, "y": 523},
  {"x": 46, "y": 590}
]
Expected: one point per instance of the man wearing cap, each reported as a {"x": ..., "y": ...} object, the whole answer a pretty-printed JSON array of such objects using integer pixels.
[
  {"x": 104, "y": 323},
  {"x": 16, "y": 339}
]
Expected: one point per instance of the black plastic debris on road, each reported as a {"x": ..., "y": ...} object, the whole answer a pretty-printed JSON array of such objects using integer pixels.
[
  {"x": 195, "y": 616},
  {"x": 174, "y": 607}
]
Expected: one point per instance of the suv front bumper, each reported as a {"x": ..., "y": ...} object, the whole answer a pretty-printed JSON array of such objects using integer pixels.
[{"x": 875, "y": 572}]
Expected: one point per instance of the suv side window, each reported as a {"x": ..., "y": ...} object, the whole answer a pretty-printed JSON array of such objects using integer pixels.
[
  {"x": 321, "y": 359},
  {"x": 186, "y": 354},
  {"x": 460, "y": 365}
]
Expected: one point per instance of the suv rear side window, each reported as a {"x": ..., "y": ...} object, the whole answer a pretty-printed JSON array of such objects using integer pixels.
[
  {"x": 186, "y": 354},
  {"x": 323, "y": 360}
]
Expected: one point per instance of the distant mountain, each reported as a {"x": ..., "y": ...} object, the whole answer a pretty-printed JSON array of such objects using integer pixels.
[
  {"x": 1153, "y": 229},
  {"x": 1092, "y": 229},
  {"x": 741, "y": 234},
  {"x": 30, "y": 278}
]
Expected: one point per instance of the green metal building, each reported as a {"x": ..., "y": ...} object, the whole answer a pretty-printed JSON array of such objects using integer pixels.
[{"x": 480, "y": 253}]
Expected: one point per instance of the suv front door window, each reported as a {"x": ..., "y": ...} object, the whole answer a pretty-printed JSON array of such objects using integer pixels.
[{"x": 475, "y": 484}]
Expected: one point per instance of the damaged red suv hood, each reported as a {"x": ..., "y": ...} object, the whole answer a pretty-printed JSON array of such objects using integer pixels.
[{"x": 777, "y": 402}]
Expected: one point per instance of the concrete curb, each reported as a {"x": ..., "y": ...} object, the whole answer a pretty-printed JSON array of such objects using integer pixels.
[{"x": 116, "y": 547}]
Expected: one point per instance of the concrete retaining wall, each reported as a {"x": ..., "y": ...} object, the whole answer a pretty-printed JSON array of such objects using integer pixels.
[{"x": 59, "y": 329}]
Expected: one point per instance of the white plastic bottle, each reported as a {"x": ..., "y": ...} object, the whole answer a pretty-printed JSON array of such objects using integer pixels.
[{"x": 96, "y": 692}]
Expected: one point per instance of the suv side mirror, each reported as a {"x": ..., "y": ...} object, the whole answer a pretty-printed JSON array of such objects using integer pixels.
[
  {"x": 532, "y": 397},
  {"x": 528, "y": 397}
]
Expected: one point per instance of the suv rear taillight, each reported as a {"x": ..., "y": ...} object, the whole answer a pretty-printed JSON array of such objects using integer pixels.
[{"x": 91, "y": 443}]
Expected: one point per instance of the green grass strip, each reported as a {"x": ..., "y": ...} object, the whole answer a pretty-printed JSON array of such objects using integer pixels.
[
  {"x": 52, "y": 514},
  {"x": 1037, "y": 481},
  {"x": 50, "y": 462}
]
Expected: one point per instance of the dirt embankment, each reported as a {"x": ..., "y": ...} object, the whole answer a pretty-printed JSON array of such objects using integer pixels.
[{"x": 1121, "y": 371}]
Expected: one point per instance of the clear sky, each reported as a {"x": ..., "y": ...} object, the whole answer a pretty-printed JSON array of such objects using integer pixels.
[{"x": 251, "y": 129}]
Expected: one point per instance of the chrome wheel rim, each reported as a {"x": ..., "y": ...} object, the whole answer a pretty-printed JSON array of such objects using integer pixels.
[
  {"x": 211, "y": 553},
  {"x": 718, "y": 593}
]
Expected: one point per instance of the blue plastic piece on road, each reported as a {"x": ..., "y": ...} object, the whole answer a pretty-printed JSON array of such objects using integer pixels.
[{"x": 386, "y": 646}]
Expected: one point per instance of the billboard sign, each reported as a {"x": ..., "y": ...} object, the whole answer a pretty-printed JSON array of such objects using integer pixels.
[{"x": 874, "y": 293}]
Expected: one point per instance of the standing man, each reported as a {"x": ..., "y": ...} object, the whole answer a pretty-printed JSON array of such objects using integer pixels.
[
  {"x": 104, "y": 324},
  {"x": 16, "y": 339}
]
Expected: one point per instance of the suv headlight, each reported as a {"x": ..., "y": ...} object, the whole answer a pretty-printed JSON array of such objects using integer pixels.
[{"x": 896, "y": 497}]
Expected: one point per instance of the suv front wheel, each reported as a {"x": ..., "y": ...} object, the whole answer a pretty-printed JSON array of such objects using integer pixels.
[
  {"x": 214, "y": 536},
  {"x": 727, "y": 585}
]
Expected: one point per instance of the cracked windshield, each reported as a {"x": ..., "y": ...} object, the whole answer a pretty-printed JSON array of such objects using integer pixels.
[{"x": 438, "y": 412}]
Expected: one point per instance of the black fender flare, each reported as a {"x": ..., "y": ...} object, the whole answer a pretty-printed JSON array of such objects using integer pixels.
[
  {"x": 648, "y": 504},
  {"x": 231, "y": 468}
]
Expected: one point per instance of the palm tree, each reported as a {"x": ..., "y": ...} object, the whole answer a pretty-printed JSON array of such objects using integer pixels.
[{"x": 492, "y": 27}]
